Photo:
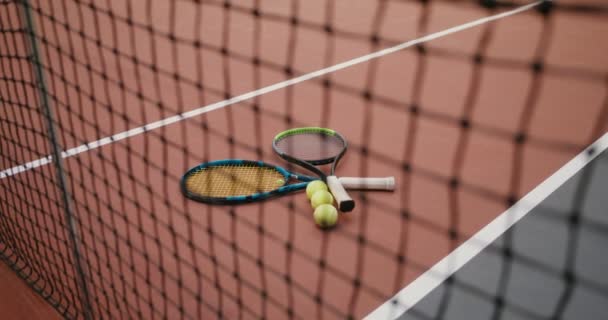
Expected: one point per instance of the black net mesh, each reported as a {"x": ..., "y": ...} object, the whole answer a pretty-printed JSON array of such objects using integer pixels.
[{"x": 468, "y": 124}]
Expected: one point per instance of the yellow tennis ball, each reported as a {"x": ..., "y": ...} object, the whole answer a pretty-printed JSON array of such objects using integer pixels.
[
  {"x": 315, "y": 186},
  {"x": 321, "y": 197},
  {"x": 326, "y": 216}
]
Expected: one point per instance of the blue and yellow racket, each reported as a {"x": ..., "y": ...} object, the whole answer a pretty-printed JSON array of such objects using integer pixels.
[{"x": 234, "y": 181}]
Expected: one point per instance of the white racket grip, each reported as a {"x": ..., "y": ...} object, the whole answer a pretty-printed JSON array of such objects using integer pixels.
[
  {"x": 344, "y": 201},
  {"x": 386, "y": 183}
]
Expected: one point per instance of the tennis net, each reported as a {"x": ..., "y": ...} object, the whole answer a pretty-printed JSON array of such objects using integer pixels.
[{"x": 468, "y": 123}]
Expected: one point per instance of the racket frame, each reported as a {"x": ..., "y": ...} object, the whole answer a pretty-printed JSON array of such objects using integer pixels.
[
  {"x": 345, "y": 202},
  {"x": 284, "y": 189}
]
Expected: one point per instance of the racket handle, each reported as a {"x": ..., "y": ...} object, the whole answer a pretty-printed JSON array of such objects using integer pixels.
[
  {"x": 387, "y": 183},
  {"x": 345, "y": 202}
]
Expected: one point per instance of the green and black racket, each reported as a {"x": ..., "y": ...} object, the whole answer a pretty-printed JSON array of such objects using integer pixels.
[{"x": 312, "y": 146}]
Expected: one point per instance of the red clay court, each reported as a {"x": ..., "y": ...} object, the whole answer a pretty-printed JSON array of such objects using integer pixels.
[{"x": 481, "y": 110}]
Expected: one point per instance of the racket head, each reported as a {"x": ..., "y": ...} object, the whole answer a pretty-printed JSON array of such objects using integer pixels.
[
  {"x": 235, "y": 181},
  {"x": 314, "y": 145}
]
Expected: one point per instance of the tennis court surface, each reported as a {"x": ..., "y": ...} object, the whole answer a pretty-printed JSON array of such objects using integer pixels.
[{"x": 491, "y": 115}]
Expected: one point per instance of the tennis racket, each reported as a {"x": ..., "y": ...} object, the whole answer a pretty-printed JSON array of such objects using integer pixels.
[
  {"x": 234, "y": 181},
  {"x": 312, "y": 146}
]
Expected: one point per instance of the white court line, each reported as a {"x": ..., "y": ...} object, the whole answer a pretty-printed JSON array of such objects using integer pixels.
[
  {"x": 432, "y": 278},
  {"x": 240, "y": 98}
]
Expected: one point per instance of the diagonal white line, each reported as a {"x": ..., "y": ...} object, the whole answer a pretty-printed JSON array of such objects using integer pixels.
[
  {"x": 246, "y": 96},
  {"x": 436, "y": 275}
]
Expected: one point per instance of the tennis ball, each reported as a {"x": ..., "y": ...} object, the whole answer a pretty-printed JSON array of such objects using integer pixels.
[
  {"x": 321, "y": 197},
  {"x": 326, "y": 216},
  {"x": 315, "y": 186}
]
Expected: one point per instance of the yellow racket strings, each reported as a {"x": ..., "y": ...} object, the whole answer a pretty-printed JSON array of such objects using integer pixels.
[{"x": 233, "y": 180}]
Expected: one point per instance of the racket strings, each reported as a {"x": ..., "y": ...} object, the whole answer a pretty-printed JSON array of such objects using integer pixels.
[
  {"x": 233, "y": 180},
  {"x": 311, "y": 146}
]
